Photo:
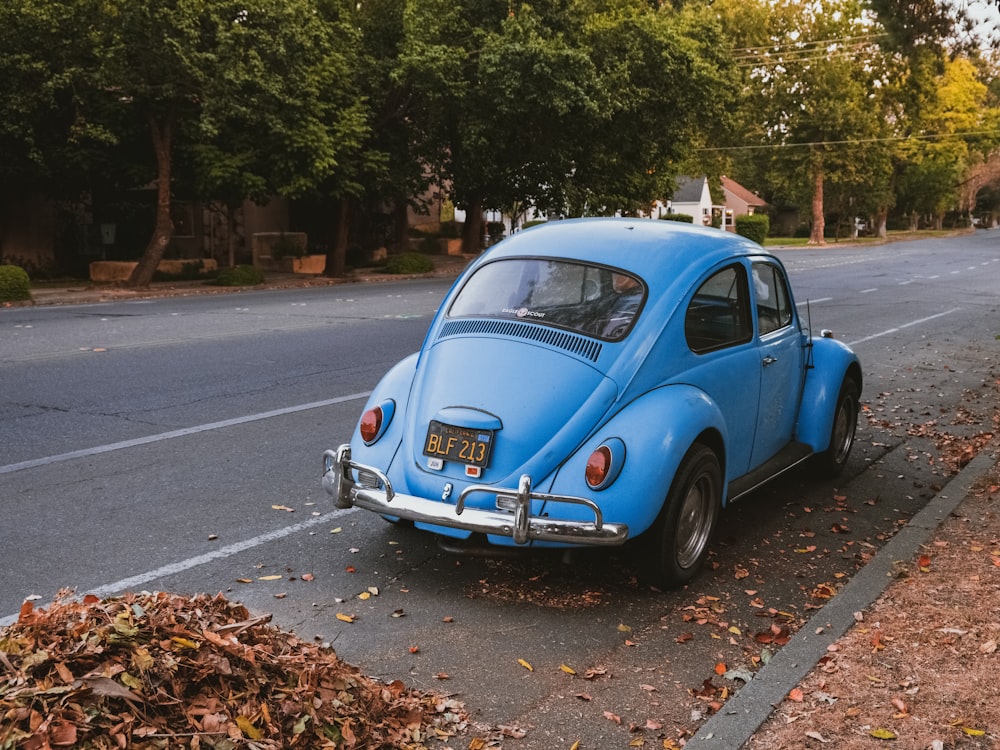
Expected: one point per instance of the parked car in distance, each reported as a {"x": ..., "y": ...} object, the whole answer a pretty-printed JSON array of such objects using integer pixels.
[{"x": 602, "y": 381}]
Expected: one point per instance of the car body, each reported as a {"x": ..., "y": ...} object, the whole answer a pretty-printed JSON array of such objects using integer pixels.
[{"x": 592, "y": 381}]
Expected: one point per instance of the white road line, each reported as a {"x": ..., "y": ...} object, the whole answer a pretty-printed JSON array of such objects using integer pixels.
[
  {"x": 83, "y": 453},
  {"x": 902, "y": 326},
  {"x": 133, "y": 582}
]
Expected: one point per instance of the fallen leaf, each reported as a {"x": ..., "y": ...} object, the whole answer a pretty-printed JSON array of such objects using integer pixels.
[
  {"x": 816, "y": 736},
  {"x": 883, "y": 734},
  {"x": 566, "y": 669},
  {"x": 269, "y": 578},
  {"x": 308, "y": 577},
  {"x": 526, "y": 665},
  {"x": 612, "y": 717},
  {"x": 345, "y": 618},
  {"x": 720, "y": 669},
  {"x": 283, "y": 507},
  {"x": 414, "y": 649},
  {"x": 795, "y": 694}
]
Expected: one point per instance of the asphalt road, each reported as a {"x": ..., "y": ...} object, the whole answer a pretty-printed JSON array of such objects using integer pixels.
[{"x": 174, "y": 444}]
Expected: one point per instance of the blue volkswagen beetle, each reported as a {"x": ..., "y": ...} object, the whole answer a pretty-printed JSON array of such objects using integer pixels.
[{"x": 594, "y": 381}]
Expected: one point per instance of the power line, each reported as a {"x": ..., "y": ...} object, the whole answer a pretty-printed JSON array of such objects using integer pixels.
[
  {"x": 851, "y": 142},
  {"x": 777, "y": 48}
]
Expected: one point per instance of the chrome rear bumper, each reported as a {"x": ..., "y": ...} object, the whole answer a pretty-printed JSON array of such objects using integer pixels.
[{"x": 512, "y": 518}]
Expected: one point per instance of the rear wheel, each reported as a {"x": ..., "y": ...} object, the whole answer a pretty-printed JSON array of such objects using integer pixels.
[
  {"x": 677, "y": 544},
  {"x": 845, "y": 424}
]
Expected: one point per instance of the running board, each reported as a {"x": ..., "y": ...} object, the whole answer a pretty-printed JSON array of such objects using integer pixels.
[{"x": 789, "y": 457}]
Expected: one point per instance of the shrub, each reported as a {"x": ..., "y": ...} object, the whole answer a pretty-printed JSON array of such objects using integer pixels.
[
  {"x": 239, "y": 276},
  {"x": 754, "y": 227},
  {"x": 14, "y": 284},
  {"x": 678, "y": 217},
  {"x": 407, "y": 263}
]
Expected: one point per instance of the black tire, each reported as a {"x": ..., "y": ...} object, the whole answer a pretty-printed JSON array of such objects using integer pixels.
[
  {"x": 845, "y": 424},
  {"x": 677, "y": 544}
]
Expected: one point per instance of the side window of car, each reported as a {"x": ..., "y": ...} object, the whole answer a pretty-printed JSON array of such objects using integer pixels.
[
  {"x": 719, "y": 314},
  {"x": 774, "y": 309}
]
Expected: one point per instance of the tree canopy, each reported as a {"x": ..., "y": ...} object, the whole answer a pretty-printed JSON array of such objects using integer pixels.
[{"x": 843, "y": 107}]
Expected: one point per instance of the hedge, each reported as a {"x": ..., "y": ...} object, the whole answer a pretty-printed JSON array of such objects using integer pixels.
[
  {"x": 14, "y": 284},
  {"x": 754, "y": 227}
]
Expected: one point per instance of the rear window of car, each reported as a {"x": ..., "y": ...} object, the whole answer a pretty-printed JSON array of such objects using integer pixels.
[{"x": 593, "y": 300}]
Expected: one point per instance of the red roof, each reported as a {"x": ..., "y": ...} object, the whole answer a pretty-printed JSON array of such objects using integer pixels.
[{"x": 747, "y": 196}]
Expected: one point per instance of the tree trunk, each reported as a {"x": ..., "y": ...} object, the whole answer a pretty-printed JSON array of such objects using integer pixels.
[
  {"x": 818, "y": 221},
  {"x": 401, "y": 224},
  {"x": 336, "y": 255},
  {"x": 163, "y": 231},
  {"x": 881, "y": 221},
  {"x": 472, "y": 230},
  {"x": 231, "y": 236}
]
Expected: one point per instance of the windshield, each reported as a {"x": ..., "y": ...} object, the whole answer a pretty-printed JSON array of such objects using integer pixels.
[{"x": 593, "y": 300}]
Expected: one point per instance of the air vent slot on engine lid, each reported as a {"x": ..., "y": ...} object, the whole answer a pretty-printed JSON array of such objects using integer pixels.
[{"x": 581, "y": 346}]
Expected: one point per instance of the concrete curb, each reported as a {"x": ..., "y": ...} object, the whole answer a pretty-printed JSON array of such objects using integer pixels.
[{"x": 748, "y": 709}]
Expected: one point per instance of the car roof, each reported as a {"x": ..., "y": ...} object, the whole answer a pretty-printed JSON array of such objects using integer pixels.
[{"x": 661, "y": 252}]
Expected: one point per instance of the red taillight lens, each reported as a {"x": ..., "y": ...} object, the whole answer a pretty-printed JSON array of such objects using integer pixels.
[
  {"x": 371, "y": 423},
  {"x": 598, "y": 466}
]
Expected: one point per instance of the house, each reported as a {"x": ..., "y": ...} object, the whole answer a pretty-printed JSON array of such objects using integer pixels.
[
  {"x": 692, "y": 197},
  {"x": 739, "y": 201}
]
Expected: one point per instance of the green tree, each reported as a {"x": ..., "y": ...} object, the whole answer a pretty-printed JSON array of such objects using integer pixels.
[
  {"x": 663, "y": 79},
  {"x": 815, "y": 91},
  {"x": 261, "y": 88}
]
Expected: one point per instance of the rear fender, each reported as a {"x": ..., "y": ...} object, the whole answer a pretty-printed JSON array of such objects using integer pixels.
[
  {"x": 656, "y": 430},
  {"x": 832, "y": 361},
  {"x": 394, "y": 387}
]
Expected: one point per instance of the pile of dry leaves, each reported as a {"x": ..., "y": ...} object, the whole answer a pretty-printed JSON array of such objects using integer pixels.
[{"x": 161, "y": 670}]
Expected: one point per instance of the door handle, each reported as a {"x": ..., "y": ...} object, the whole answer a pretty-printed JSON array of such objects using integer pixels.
[{"x": 769, "y": 360}]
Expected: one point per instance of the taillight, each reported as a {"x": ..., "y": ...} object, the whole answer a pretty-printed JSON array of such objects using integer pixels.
[
  {"x": 371, "y": 424},
  {"x": 598, "y": 467},
  {"x": 375, "y": 421}
]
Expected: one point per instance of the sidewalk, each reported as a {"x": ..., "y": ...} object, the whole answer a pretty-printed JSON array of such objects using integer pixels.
[
  {"x": 892, "y": 656},
  {"x": 83, "y": 292}
]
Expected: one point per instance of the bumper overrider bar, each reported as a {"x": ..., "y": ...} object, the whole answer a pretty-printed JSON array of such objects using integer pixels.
[{"x": 512, "y": 518}]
